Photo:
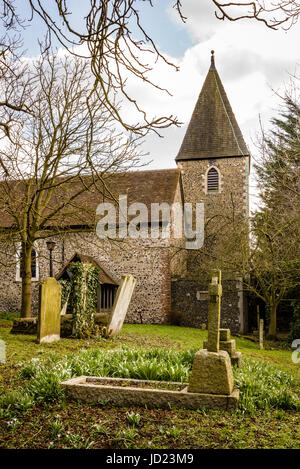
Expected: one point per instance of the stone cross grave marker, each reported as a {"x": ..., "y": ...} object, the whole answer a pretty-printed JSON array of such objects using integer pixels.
[
  {"x": 49, "y": 314},
  {"x": 212, "y": 372},
  {"x": 121, "y": 305},
  {"x": 214, "y": 312}
]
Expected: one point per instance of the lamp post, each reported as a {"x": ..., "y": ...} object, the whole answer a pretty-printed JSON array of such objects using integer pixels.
[{"x": 51, "y": 246}]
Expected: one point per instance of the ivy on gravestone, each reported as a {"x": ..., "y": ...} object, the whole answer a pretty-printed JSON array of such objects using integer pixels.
[{"x": 84, "y": 293}]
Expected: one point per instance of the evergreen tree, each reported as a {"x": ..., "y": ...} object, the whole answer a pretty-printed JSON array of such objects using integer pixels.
[
  {"x": 279, "y": 185},
  {"x": 279, "y": 169}
]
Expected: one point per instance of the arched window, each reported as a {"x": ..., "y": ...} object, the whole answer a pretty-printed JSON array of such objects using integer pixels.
[
  {"x": 34, "y": 264},
  {"x": 212, "y": 180}
]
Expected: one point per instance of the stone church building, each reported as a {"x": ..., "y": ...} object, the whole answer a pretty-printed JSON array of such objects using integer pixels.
[{"x": 212, "y": 168}]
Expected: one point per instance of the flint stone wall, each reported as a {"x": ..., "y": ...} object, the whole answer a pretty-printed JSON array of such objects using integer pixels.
[
  {"x": 190, "y": 310},
  {"x": 148, "y": 260}
]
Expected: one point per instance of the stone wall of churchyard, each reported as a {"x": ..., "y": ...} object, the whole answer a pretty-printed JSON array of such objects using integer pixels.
[
  {"x": 189, "y": 305},
  {"x": 147, "y": 259}
]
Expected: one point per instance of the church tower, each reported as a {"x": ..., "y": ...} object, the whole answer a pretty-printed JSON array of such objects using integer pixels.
[
  {"x": 214, "y": 163},
  {"x": 213, "y": 157}
]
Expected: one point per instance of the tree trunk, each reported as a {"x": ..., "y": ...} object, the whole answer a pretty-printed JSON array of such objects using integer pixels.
[
  {"x": 273, "y": 322},
  {"x": 26, "y": 282}
]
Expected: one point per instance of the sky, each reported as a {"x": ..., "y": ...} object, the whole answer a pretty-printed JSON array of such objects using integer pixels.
[{"x": 254, "y": 64}]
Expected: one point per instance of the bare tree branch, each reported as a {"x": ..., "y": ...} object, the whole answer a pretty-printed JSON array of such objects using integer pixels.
[
  {"x": 58, "y": 155},
  {"x": 115, "y": 53},
  {"x": 273, "y": 14}
]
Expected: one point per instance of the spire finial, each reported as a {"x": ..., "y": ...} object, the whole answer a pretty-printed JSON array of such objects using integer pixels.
[{"x": 212, "y": 64}]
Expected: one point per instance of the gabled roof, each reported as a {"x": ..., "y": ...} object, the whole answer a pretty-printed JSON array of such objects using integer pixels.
[
  {"x": 152, "y": 186},
  {"x": 104, "y": 275},
  {"x": 213, "y": 131},
  {"x": 149, "y": 186}
]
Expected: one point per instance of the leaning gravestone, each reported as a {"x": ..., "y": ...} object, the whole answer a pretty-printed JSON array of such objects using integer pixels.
[
  {"x": 49, "y": 314},
  {"x": 212, "y": 371},
  {"x": 120, "y": 305}
]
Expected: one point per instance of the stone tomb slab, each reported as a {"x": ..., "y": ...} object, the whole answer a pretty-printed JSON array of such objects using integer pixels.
[{"x": 96, "y": 390}]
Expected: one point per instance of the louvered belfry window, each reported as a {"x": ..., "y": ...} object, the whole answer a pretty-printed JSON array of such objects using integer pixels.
[{"x": 212, "y": 180}]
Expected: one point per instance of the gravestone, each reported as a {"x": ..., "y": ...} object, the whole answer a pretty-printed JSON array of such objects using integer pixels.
[
  {"x": 228, "y": 344},
  {"x": 261, "y": 334},
  {"x": 49, "y": 314},
  {"x": 121, "y": 304},
  {"x": 212, "y": 371},
  {"x": 2, "y": 351}
]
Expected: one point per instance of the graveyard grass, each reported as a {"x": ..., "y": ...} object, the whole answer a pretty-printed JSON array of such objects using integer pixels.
[{"x": 66, "y": 424}]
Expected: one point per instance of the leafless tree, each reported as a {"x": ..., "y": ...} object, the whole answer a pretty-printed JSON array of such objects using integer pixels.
[
  {"x": 271, "y": 267},
  {"x": 273, "y": 14},
  {"x": 114, "y": 40},
  {"x": 262, "y": 251},
  {"x": 56, "y": 156}
]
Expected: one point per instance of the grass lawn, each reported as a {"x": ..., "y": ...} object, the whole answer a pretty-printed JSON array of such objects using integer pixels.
[{"x": 63, "y": 424}]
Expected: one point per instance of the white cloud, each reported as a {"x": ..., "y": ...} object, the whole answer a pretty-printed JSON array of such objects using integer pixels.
[
  {"x": 254, "y": 64},
  {"x": 201, "y": 21}
]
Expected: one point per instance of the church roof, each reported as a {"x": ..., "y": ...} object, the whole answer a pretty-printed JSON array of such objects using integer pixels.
[
  {"x": 104, "y": 275},
  {"x": 213, "y": 131},
  {"x": 147, "y": 187}
]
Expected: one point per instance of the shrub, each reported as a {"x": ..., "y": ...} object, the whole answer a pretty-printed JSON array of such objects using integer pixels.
[
  {"x": 15, "y": 402},
  {"x": 45, "y": 387},
  {"x": 66, "y": 286},
  {"x": 30, "y": 369},
  {"x": 262, "y": 386},
  {"x": 133, "y": 418},
  {"x": 84, "y": 291},
  {"x": 8, "y": 316}
]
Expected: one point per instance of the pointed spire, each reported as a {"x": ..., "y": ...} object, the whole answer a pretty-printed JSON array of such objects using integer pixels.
[
  {"x": 212, "y": 61},
  {"x": 213, "y": 130}
]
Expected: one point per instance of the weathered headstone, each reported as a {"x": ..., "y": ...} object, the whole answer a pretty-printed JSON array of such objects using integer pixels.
[
  {"x": 261, "y": 334},
  {"x": 2, "y": 351},
  {"x": 49, "y": 314},
  {"x": 212, "y": 371},
  {"x": 121, "y": 305}
]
